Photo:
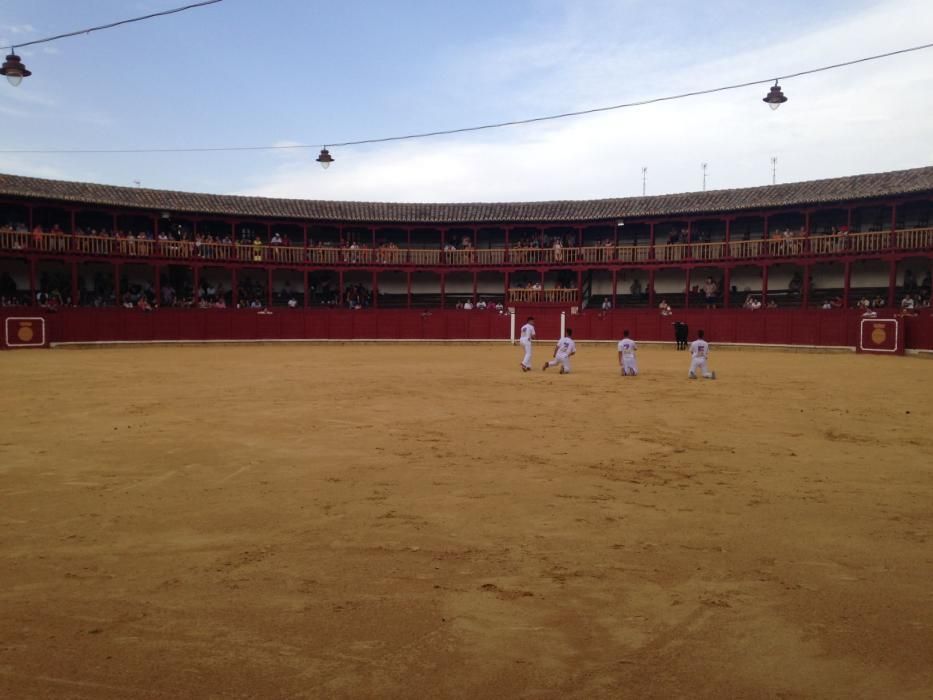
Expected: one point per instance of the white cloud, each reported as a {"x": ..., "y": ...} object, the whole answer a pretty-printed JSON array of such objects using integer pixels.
[{"x": 867, "y": 118}]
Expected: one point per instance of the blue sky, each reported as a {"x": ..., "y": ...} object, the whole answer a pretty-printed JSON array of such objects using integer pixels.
[{"x": 246, "y": 72}]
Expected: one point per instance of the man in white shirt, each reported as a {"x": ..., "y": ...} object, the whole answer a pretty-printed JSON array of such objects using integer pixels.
[
  {"x": 563, "y": 352},
  {"x": 527, "y": 336},
  {"x": 627, "y": 348},
  {"x": 699, "y": 352}
]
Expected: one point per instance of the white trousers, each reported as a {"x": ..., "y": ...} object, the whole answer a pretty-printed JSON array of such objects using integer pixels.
[
  {"x": 526, "y": 344},
  {"x": 562, "y": 360},
  {"x": 629, "y": 365},
  {"x": 699, "y": 363}
]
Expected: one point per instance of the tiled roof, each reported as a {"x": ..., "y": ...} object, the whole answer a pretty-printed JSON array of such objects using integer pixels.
[{"x": 799, "y": 194}]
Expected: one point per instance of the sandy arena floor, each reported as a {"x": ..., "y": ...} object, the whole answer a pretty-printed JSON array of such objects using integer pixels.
[{"x": 428, "y": 522}]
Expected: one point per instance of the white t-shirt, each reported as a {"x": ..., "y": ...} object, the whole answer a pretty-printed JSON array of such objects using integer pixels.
[
  {"x": 627, "y": 347},
  {"x": 699, "y": 349},
  {"x": 528, "y": 332},
  {"x": 566, "y": 346}
]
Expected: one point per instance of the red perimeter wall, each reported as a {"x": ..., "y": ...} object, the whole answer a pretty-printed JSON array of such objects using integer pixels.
[{"x": 793, "y": 327}]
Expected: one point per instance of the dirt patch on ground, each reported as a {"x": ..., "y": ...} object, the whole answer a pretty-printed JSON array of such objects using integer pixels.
[{"x": 403, "y": 521}]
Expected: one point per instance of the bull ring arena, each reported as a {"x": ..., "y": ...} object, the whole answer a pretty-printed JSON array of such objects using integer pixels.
[{"x": 283, "y": 448}]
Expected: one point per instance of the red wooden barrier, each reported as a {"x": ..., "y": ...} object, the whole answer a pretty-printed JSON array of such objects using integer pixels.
[{"x": 784, "y": 327}]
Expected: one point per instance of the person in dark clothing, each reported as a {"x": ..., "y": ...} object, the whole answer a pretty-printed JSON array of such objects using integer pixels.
[{"x": 681, "y": 332}]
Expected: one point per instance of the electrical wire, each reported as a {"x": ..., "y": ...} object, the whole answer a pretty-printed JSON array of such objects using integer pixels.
[
  {"x": 481, "y": 127},
  {"x": 163, "y": 13}
]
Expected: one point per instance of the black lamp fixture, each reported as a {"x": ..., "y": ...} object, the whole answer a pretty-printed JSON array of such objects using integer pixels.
[
  {"x": 325, "y": 159},
  {"x": 14, "y": 70},
  {"x": 775, "y": 98}
]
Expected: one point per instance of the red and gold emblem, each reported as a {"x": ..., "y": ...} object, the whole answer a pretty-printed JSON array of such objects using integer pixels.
[
  {"x": 25, "y": 333},
  {"x": 879, "y": 333}
]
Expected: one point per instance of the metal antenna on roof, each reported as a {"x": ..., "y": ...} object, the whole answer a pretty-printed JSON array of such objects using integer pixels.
[
  {"x": 644, "y": 180},
  {"x": 703, "y": 165},
  {"x": 773, "y": 170}
]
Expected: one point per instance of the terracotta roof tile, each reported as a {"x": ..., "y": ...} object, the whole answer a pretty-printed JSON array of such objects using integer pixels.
[{"x": 798, "y": 194}]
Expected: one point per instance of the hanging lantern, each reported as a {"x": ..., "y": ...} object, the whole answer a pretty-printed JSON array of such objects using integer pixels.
[
  {"x": 775, "y": 98},
  {"x": 14, "y": 70},
  {"x": 325, "y": 159}
]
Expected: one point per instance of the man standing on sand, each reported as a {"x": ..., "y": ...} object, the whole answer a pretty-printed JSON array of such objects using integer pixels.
[
  {"x": 527, "y": 336},
  {"x": 627, "y": 348},
  {"x": 699, "y": 353},
  {"x": 563, "y": 352}
]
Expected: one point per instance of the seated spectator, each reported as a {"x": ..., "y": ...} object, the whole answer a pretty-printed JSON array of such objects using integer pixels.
[
  {"x": 607, "y": 305},
  {"x": 143, "y": 304},
  {"x": 796, "y": 283},
  {"x": 908, "y": 303},
  {"x": 751, "y": 303},
  {"x": 481, "y": 305},
  {"x": 864, "y": 303},
  {"x": 772, "y": 304},
  {"x": 878, "y": 302},
  {"x": 293, "y": 303},
  {"x": 836, "y": 302},
  {"x": 826, "y": 305},
  {"x": 665, "y": 308},
  {"x": 468, "y": 305}
]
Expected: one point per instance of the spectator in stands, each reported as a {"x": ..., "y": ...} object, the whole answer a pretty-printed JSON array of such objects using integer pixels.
[
  {"x": 635, "y": 288},
  {"x": 481, "y": 305},
  {"x": 607, "y": 304},
  {"x": 709, "y": 292},
  {"x": 878, "y": 302},
  {"x": 751, "y": 303},
  {"x": 826, "y": 305},
  {"x": 796, "y": 283},
  {"x": 864, "y": 303},
  {"x": 910, "y": 282},
  {"x": 926, "y": 283},
  {"x": 772, "y": 304},
  {"x": 292, "y": 303},
  {"x": 468, "y": 305},
  {"x": 908, "y": 303},
  {"x": 665, "y": 308}
]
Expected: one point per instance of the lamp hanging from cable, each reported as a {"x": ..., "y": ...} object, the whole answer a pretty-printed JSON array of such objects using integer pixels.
[
  {"x": 775, "y": 98},
  {"x": 325, "y": 159},
  {"x": 14, "y": 69}
]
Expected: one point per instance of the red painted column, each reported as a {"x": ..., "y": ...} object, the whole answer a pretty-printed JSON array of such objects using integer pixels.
[
  {"x": 29, "y": 218},
  {"x": 651, "y": 240},
  {"x": 726, "y": 287},
  {"x": 892, "y": 283},
  {"x": 116, "y": 284},
  {"x": 32, "y": 281},
  {"x": 806, "y": 286},
  {"x": 305, "y": 276},
  {"x": 443, "y": 291},
  {"x": 615, "y": 286},
  {"x": 157, "y": 287},
  {"x": 375, "y": 293},
  {"x": 687, "y": 281},
  {"x": 340, "y": 289},
  {"x": 475, "y": 275},
  {"x": 73, "y": 216},
  {"x": 651, "y": 279},
  {"x": 849, "y": 218},
  {"x": 269, "y": 288},
  {"x": 892, "y": 239},
  {"x": 234, "y": 282},
  {"x": 75, "y": 291},
  {"x": 764, "y": 286},
  {"x": 848, "y": 284},
  {"x": 409, "y": 289}
]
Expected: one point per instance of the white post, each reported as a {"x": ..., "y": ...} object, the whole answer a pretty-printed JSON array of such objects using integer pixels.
[
  {"x": 563, "y": 323},
  {"x": 512, "y": 325}
]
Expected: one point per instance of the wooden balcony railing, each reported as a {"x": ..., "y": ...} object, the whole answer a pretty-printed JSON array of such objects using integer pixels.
[
  {"x": 920, "y": 239},
  {"x": 543, "y": 296}
]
